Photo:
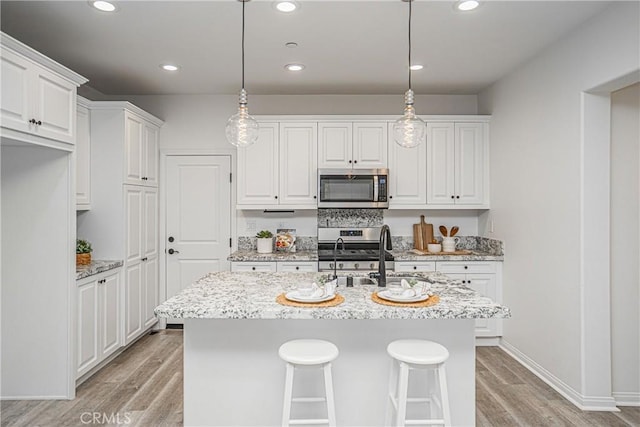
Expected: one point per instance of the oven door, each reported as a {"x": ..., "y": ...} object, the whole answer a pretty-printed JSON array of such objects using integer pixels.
[{"x": 346, "y": 188}]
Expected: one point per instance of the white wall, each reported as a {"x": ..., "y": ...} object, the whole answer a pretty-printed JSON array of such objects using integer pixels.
[
  {"x": 625, "y": 244},
  {"x": 536, "y": 185}
]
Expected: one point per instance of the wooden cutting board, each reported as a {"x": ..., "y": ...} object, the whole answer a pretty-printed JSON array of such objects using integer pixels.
[
  {"x": 427, "y": 232},
  {"x": 418, "y": 243}
]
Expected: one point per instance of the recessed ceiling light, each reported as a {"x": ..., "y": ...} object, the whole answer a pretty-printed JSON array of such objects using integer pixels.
[
  {"x": 467, "y": 5},
  {"x": 286, "y": 6},
  {"x": 104, "y": 6},
  {"x": 291, "y": 45},
  {"x": 294, "y": 67},
  {"x": 169, "y": 67},
  {"x": 416, "y": 67}
]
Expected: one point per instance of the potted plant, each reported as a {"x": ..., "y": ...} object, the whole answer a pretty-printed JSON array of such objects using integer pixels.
[
  {"x": 265, "y": 242},
  {"x": 83, "y": 252}
]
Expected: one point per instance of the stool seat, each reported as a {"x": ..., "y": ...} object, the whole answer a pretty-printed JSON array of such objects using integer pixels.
[
  {"x": 308, "y": 352},
  {"x": 418, "y": 352}
]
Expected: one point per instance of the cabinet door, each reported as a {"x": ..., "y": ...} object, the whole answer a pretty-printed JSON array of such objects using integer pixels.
[
  {"x": 335, "y": 141},
  {"x": 83, "y": 159},
  {"x": 254, "y": 266},
  {"x": 150, "y": 292},
  {"x": 109, "y": 292},
  {"x": 298, "y": 163},
  {"x": 134, "y": 202},
  {"x": 87, "y": 327},
  {"x": 407, "y": 175},
  {"x": 469, "y": 159},
  {"x": 485, "y": 285},
  {"x": 150, "y": 155},
  {"x": 132, "y": 301},
  {"x": 133, "y": 149},
  {"x": 440, "y": 163},
  {"x": 258, "y": 169},
  {"x": 370, "y": 145},
  {"x": 297, "y": 267},
  {"x": 150, "y": 223},
  {"x": 15, "y": 103},
  {"x": 55, "y": 106},
  {"x": 407, "y": 266}
]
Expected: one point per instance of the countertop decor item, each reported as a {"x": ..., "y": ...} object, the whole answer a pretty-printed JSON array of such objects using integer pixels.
[
  {"x": 264, "y": 242},
  {"x": 83, "y": 252},
  {"x": 409, "y": 130},
  {"x": 443, "y": 231},
  {"x": 242, "y": 129}
]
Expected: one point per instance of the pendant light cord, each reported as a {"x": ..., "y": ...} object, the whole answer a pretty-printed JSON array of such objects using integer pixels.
[
  {"x": 243, "y": 2},
  {"x": 410, "y": 1}
]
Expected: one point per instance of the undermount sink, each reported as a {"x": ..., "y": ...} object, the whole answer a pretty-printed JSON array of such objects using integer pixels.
[{"x": 342, "y": 281}]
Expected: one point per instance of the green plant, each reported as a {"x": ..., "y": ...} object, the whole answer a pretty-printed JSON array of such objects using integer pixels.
[
  {"x": 264, "y": 234},
  {"x": 83, "y": 247}
]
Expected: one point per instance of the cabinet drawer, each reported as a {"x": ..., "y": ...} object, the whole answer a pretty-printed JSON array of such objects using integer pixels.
[
  {"x": 462, "y": 267},
  {"x": 253, "y": 266},
  {"x": 298, "y": 266},
  {"x": 415, "y": 266}
]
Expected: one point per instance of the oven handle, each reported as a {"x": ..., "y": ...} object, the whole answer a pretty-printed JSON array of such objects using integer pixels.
[{"x": 375, "y": 188}]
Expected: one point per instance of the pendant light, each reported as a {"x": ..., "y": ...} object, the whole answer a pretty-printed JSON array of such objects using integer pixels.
[
  {"x": 242, "y": 129},
  {"x": 409, "y": 130}
]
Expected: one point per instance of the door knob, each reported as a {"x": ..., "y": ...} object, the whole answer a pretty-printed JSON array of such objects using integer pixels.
[{"x": 171, "y": 252}]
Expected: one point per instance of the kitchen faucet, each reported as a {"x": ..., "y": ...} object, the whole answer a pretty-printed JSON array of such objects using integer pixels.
[
  {"x": 335, "y": 258},
  {"x": 385, "y": 241}
]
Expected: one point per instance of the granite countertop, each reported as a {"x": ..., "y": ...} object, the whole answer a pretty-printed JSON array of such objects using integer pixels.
[
  {"x": 405, "y": 255},
  {"x": 96, "y": 266},
  {"x": 231, "y": 295},
  {"x": 252, "y": 255}
]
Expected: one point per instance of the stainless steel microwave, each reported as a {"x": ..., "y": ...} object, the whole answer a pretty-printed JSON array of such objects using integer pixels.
[{"x": 353, "y": 188}]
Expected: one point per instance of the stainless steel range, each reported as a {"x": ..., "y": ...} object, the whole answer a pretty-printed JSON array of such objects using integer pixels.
[{"x": 360, "y": 251}]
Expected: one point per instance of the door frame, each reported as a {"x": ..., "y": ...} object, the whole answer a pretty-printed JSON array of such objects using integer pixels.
[{"x": 162, "y": 219}]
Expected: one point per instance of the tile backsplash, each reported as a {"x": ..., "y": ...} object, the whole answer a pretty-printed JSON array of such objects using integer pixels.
[{"x": 331, "y": 218}]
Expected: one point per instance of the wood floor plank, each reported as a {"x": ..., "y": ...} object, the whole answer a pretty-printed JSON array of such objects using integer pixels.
[{"x": 145, "y": 385}]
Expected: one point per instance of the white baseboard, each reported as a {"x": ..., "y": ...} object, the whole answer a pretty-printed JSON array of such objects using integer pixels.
[
  {"x": 487, "y": 341},
  {"x": 35, "y": 398},
  {"x": 626, "y": 398},
  {"x": 585, "y": 403}
]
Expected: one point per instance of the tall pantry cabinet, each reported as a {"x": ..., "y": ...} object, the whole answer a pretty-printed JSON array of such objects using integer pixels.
[{"x": 123, "y": 222}]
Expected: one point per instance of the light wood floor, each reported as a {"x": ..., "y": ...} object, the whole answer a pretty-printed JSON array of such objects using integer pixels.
[{"x": 143, "y": 387}]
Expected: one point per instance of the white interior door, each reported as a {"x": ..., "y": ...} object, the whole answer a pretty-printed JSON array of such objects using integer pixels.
[{"x": 198, "y": 208}]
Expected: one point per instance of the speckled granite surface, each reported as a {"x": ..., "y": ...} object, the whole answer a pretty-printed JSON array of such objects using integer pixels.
[
  {"x": 350, "y": 218},
  {"x": 252, "y": 255},
  {"x": 303, "y": 243},
  {"x": 404, "y": 255},
  {"x": 227, "y": 295},
  {"x": 96, "y": 266}
]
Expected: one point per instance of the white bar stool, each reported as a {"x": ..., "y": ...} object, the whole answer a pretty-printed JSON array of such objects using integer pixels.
[
  {"x": 417, "y": 355},
  {"x": 308, "y": 352}
]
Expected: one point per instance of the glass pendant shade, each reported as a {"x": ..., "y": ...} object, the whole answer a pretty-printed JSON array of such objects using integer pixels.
[
  {"x": 242, "y": 129},
  {"x": 409, "y": 130}
]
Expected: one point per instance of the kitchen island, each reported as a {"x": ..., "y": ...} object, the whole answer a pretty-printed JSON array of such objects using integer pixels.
[{"x": 233, "y": 327}]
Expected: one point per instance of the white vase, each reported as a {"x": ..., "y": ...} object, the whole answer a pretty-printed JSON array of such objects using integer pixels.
[{"x": 265, "y": 245}]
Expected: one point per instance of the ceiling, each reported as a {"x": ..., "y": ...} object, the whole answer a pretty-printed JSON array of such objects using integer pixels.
[{"x": 348, "y": 47}]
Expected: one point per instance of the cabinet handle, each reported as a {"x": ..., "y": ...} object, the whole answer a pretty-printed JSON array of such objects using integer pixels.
[
  {"x": 457, "y": 197},
  {"x": 355, "y": 161},
  {"x": 453, "y": 197},
  {"x": 253, "y": 268},
  {"x": 315, "y": 197},
  {"x": 464, "y": 281},
  {"x": 415, "y": 267},
  {"x": 297, "y": 268},
  {"x": 466, "y": 267},
  {"x": 144, "y": 259},
  {"x": 349, "y": 161},
  {"x": 276, "y": 197},
  {"x": 391, "y": 197}
]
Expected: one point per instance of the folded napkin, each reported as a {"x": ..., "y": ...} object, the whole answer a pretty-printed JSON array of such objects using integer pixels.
[
  {"x": 414, "y": 289},
  {"x": 327, "y": 289}
]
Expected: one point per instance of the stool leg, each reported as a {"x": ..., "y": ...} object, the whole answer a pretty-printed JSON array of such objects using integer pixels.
[
  {"x": 444, "y": 395},
  {"x": 393, "y": 393},
  {"x": 288, "y": 394},
  {"x": 328, "y": 389},
  {"x": 403, "y": 385}
]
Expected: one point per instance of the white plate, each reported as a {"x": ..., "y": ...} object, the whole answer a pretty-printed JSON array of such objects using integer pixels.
[
  {"x": 295, "y": 296},
  {"x": 399, "y": 298}
]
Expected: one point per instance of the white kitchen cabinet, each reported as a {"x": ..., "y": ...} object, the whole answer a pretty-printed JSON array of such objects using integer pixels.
[
  {"x": 83, "y": 156},
  {"x": 352, "y": 145},
  {"x": 407, "y": 176},
  {"x": 297, "y": 266},
  {"x": 141, "y": 151},
  {"x": 457, "y": 154},
  {"x": 98, "y": 319},
  {"x": 250, "y": 266},
  {"x": 36, "y": 100},
  {"x": 150, "y": 291},
  {"x": 298, "y": 150},
  {"x": 279, "y": 170},
  {"x": 133, "y": 283},
  {"x": 417, "y": 266}
]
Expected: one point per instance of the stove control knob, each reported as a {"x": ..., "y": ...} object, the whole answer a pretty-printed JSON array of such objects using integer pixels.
[
  {"x": 330, "y": 265},
  {"x": 356, "y": 266},
  {"x": 341, "y": 266}
]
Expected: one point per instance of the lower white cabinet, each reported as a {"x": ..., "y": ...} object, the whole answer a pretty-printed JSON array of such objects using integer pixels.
[
  {"x": 272, "y": 266},
  {"x": 140, "y": 297},
  {"x": 98, "y": 319}
]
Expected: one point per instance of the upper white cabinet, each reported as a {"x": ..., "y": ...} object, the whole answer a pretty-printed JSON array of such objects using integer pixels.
[
  {"x": 352, "y": 145},
  {"x": 141, "y": 151},
  {"x": 457, "y": 156},
  {"x": 280, "y": 168},
  {"x": 38, "y": 100},
  {"x": 83, "y": 156},
  {"x": 407, "y": 175}
]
